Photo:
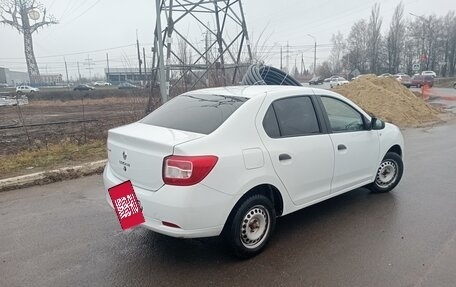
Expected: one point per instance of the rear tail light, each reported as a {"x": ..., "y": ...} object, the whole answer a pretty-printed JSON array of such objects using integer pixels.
[{"x": 187, "y": 170}]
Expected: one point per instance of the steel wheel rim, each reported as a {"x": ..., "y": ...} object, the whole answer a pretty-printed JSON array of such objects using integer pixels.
[
  {"x": 254, "y": 227},
  {"x": 386, "y": 174}
]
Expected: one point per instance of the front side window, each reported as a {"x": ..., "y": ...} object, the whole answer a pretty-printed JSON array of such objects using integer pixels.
[
  {"x": 342, "y": 117},
  {"x": 291, "y": 117}
]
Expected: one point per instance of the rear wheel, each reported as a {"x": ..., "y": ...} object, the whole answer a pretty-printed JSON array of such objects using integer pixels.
[
  {"x": 251, "y": 226},
  {"x": 389, "y": 173}
]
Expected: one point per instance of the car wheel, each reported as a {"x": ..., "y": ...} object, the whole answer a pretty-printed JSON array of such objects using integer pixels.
[
  {"x": 251, "y": 226},
  {"x": 389, "y": 173},
  {"x": 19, "y": 92}
]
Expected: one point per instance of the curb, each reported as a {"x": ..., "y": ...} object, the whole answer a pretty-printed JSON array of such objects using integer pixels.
[{"x": 50, "y": 176}]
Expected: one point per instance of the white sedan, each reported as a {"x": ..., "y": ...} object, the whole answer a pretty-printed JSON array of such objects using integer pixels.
[
  {"x": 338, "y": 82},
  {"x": 429, "y": 73},
  {"x": 228, "y": 161}
]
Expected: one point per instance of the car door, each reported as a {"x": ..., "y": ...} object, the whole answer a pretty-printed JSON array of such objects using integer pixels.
[
  {"x": 356, "y": 147},
  {"x": 299, "y": 148}
]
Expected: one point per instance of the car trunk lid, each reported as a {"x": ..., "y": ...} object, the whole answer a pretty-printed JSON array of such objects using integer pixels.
[{"x": 136, "y": 152}]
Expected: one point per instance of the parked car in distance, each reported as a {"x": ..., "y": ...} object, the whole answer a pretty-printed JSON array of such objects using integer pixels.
[
  {"x": 404, "y": 79},
  {"x": 127, "y": 86},
  {"x": 24, "y": 89},
  {"x": 287, "y": 147},
  {"x": 317, "y": 80},
  {"x": 339, "y": 81},
  {"x": 420, "y": 80},
  {"x": 429, "y": 73},
  {"x": 330, "y": 79},
  {"x": 83, "y": 88},
  {"x": 101, "y": 84},
  {"x": 385, "y": 75},
  {"x": 3, "y": 85}
]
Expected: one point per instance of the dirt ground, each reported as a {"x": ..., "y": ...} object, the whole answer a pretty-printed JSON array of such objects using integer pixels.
[
  {"x": 389, "y": 100},
  {"x": 43, "y": 122}
]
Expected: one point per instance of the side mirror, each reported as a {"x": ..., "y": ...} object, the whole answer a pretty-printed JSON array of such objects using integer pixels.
[{"x": 377, "y": 124}]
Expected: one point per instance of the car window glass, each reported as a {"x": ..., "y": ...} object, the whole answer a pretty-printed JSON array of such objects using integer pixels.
[
  {"x": 342, "y": 117},
  {"x": 195, "y": 113},
  {"x": 270, "y": 125},
  {"x": 296, "y": 116}
]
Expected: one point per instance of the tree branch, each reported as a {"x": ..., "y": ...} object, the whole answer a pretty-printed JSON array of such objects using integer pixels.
[
  {"x": 13, "y": 22},
  {"x": 43, "y": 23}
]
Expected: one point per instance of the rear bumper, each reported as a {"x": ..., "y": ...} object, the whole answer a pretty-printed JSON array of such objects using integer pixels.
[{"x": 198, "y": 210}]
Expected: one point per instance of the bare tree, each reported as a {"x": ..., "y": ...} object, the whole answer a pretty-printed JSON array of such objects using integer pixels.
[
  {"x": 339, "y": 45},
  {"x": 395, "y": 39},
  {"x": 357, "y": 47},
  {"x": 374, "y": 26},
  {"x": 17, "y": 14},
  {"x": 324, "y": 69}
]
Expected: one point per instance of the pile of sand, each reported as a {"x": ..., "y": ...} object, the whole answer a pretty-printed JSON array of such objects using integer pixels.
[{"x": 388, "y": 100}]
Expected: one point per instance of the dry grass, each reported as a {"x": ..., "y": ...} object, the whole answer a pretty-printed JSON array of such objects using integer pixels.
[{"x": 54, "y": 156}]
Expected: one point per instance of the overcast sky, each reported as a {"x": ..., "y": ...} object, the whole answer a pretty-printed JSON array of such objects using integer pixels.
[{"x": 93, "y": 28}]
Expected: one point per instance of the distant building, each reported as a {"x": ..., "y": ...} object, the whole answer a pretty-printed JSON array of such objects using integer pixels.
[
  {"x": 13, "y": 78},
  {"x": 120, "y": 75},
  {"x": 51, "y": 79}
]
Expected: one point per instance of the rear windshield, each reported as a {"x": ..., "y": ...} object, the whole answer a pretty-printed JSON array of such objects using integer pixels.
[{"x": 195, "y": 113}]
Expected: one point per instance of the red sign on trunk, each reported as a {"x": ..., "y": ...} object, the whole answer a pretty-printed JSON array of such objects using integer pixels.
[{"x": 126, "y": 205}]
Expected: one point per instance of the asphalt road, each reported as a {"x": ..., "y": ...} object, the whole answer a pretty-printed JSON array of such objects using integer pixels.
[{"x": 64, "y": 234}]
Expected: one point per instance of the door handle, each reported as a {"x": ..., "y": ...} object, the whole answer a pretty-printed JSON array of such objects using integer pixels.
[
  {"x": 341, "y": 147},
  {"x": 284, "y": 156}
]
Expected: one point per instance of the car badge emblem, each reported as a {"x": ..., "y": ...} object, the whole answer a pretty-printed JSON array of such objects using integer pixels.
[{"x": 124, "y": 155}]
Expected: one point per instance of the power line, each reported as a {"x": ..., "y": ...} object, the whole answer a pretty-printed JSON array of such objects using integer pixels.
[{"x": 77, "y": 53}]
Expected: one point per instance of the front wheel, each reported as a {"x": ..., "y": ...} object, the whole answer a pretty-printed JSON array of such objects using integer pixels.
[
  {"x": 389, "y": 173},
  {"x": 251, "y": 226}
]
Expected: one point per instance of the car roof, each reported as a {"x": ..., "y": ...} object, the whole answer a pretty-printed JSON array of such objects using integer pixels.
[
  {"x": 261, "y": 90},
  {"x": 251, "y": 91}
]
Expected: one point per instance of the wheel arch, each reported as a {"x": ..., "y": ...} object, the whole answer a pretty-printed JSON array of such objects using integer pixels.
[
  {"x": 268, "y": 190},
  {"x": 396, "y": 149}
]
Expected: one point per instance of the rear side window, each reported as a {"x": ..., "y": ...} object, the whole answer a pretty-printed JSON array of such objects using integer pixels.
[
  {"x": 195, "y": 113},
  {"x": 293, "y": 117}
]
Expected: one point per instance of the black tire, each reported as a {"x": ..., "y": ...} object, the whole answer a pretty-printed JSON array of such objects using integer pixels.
[
  {"x": 389, "y": 173},
  {"x": 251, "y": 226}
]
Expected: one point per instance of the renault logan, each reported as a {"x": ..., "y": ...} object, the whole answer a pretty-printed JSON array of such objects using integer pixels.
[{"x": 228, "y": 161}]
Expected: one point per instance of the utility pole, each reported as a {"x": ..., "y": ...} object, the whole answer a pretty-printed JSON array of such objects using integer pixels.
[
  {"x": 139, "y": 56},
  {"x": 107, "y": 65},
  {"x": 288, "y": 58},
  {"x": 144, "y": 60},
  {"x": 89, "y": 66},
  {"x": 66, "y": 71},
  {"x": 303, "y": 67},
  {"x": 315, "y": 54},
  {"x": 281, "y": 65},
  {"x": 79, "y": 73}
]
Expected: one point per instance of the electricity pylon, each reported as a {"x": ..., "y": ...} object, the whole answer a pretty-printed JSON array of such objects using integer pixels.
[{"x": 185, "y": 64}]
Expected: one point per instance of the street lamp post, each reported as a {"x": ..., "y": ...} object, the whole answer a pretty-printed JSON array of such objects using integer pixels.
[{"x": 315, "y": 54}]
